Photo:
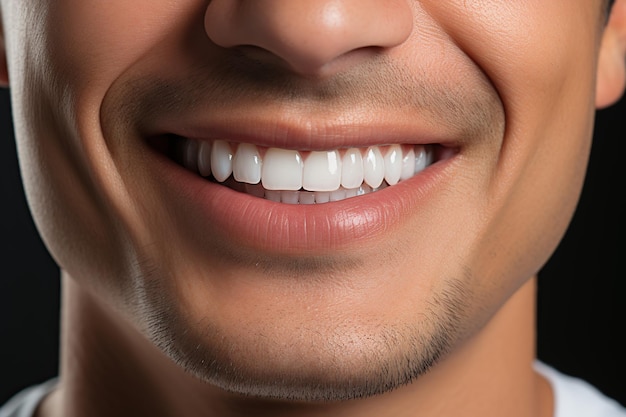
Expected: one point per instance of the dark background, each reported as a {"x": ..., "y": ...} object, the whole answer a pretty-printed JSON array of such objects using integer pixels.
[{"x": 582, "y": 290}]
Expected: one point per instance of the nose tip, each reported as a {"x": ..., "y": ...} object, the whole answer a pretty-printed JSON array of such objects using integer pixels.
[{"x": 308, "y": 35}]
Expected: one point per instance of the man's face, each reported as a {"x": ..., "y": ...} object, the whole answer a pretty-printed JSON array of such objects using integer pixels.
[{"x": 115, "y": 101}]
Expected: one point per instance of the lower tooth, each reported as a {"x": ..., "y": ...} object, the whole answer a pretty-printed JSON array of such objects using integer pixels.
[
  {"x": 322, "y": 197},
  {"x": 273, "y": 195},
  {"x": 307, "y": 197},
  {"x": 337, "y": 195},
  {"x": 351, "y": 192},
  {"x": 290, "y": 197}
]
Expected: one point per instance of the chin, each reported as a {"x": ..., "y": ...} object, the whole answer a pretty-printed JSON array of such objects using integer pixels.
[{"x": 283, "y": 350}]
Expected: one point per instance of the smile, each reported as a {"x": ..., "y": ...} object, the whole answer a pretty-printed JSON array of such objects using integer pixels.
[
  {"x": 302, "y": 177},
  {"x": 285, "y": 191}
]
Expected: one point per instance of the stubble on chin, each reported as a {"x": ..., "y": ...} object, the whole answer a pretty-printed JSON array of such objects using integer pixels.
[{"x": 325, "y": 361}]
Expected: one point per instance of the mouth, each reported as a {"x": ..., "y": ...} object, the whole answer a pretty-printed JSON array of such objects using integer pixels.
[
  {"x": 306, "y": 177},
  {"x": 288, "y": 191}
]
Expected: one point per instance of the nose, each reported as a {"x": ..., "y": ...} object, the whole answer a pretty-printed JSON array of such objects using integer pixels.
[{"x": 309, "y": 35}]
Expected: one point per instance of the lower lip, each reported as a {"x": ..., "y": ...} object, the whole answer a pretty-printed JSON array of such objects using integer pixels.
[{"x": 266, "y": 226}]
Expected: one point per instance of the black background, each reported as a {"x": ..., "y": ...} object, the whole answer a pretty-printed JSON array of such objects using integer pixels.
[{"x": 582, "y": 289}]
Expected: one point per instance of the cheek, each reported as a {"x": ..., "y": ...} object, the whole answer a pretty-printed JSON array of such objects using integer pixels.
[
  {"x": 89, "y": 44},
  {"x": 63, "y": 68},
  {"x": 540, "y": 57}
]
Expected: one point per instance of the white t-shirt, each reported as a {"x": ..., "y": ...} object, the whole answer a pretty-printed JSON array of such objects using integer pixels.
[
  {"x": 25, "y": 402},
  {"x": 573, "y": 397}
]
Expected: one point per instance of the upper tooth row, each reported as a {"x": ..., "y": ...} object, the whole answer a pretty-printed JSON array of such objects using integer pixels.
[{"x": 283, "y": 169}]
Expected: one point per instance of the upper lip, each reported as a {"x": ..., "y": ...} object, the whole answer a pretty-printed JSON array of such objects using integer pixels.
[{"x": 301, "y": 133}]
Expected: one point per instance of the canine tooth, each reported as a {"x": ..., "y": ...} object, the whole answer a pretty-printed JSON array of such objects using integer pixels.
[
  {"x": 221, "y": 160},
  {"x": 393, "y": 164},
  {"x": 282, "y": 170},
  {"x": 322, "y": 171},
  {"x": 373, "y": 167},
  {"x": 204, "y": 159},
  {"x": 352, "y": 169},
  {"x": 190, "y": 155},
  {"x": 247, "y": 164},
  {"x": 408, "y": 165},
  {"x": 421, "y": 158}
]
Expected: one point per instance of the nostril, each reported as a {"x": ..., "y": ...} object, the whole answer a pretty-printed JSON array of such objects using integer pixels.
[{"x": 307, "y": 35}]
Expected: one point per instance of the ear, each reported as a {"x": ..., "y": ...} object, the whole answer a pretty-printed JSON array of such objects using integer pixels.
[
  {"x": 4, "y": 72},
  {"x": 612, "y": 61}
]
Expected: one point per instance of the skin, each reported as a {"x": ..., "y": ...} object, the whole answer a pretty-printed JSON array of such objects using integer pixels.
[{"x": 166, "y": 314}]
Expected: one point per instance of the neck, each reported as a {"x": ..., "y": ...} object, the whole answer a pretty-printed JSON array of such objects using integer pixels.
[{"x": 108, "y": 368}]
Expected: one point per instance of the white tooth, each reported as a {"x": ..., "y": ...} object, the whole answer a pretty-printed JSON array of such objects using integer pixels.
[
  {"x": 352, "y": 192},
  {"x": 373, "y": 167},
  {"x": 290, "y": 197},
  {"x": 322, "y": 197},
  {"x": 221, "y": 160},
  {"x": 393, "y": 164},
  {"x": 352, "y": 169},
  {"x": 190, "y": 155},
  {"x": 282, "y": 170},
  {"x": 338, "y": 195},
  {"x": 322, "y": 171},
  {"x": 408, "y": 165},
  {"x": 307, "y": 197},
  {"x": 430, "y": 155},
  {"x": 204, "y": 158},
  {"x": 273, "y": 195},
  {"x": 247, "y": 164},
  {"x": 421, "y": 158}
]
